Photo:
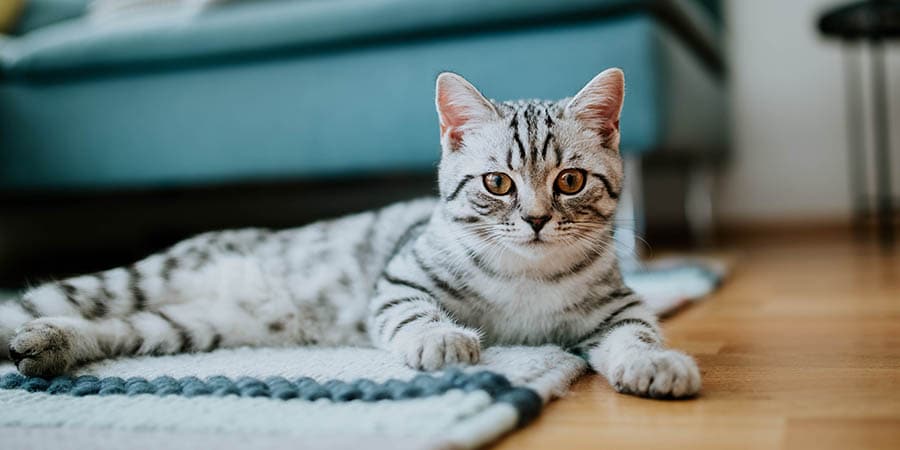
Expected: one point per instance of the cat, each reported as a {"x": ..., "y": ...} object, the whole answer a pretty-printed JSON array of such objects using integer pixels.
[{"x": 517, "y": 250}]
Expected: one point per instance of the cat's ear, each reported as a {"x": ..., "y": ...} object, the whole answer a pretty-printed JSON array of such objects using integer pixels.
[
  {"x": 599, "y": 103},
  {"x": 459, "y": 105}
]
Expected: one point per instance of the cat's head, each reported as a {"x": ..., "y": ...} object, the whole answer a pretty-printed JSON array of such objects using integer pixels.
[{"x": 532, "y": 177}]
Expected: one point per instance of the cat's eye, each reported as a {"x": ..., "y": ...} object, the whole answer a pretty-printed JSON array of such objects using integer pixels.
[
  {"x": 498, "y": 183},
  {"x": 570, "y": 181}
]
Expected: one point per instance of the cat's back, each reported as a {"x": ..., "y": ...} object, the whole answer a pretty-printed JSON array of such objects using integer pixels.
[
  {"x": 340, "y": 255},
  {"x": 363, "y": 241}
]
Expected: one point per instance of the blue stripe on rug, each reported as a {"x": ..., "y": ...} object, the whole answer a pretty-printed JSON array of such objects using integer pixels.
[{"x": 527, "y": 402}]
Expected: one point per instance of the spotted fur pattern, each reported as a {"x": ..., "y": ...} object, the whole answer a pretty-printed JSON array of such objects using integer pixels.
[{"x": 431, "y": 280}]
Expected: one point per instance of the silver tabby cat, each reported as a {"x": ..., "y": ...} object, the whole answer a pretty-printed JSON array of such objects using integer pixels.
[{"x": 517, "y": 250}]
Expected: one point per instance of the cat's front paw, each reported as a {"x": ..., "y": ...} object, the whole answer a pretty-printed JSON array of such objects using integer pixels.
[
  {"x": 436, "y": 348},
  {"x": 41, "y": 349},
  {"x": 655, "y": 373}
]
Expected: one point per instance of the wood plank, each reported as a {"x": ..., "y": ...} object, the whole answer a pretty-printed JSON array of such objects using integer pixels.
[{"x": 799, "y": 349}]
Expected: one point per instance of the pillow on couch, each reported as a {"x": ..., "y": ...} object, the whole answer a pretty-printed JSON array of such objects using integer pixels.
[
  {"x": 10, "y": 10},
  {"x": 40, "y": 13}
]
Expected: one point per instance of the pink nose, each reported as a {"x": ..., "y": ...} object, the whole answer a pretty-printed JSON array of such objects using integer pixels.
[{"x": 536, "y": 222}]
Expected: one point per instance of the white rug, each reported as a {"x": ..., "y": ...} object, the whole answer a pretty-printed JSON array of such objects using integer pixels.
[
  {"x": 669, "y": 284},
  {"x": 279, "y": 398},
  {"x": 308, "y": 397}
]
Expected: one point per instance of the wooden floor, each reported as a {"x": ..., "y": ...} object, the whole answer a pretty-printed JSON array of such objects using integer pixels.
[{"x": 799, "y": 349}]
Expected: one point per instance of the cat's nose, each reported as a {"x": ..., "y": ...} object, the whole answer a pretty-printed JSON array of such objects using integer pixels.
[{"x": 536, "y": 222}]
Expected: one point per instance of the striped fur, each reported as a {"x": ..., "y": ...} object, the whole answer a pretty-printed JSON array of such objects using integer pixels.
[{"x": 432, "y": 280}]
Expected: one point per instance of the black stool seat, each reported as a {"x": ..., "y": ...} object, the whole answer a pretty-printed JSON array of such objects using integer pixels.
[{"x": 872, "y": 19}]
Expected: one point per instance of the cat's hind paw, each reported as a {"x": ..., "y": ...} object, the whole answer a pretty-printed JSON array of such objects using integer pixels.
[
  {"x": 437, "y": 348},
  {"x": 657, "y": 374},
  {"x": 42, "y": 349}
]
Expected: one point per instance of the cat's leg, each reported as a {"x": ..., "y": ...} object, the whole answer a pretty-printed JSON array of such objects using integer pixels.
[
  {"x": 51, "y": 346},
  {"x": 407, "y": 319},
  {"x": 627, "y": 348},
  {"x": 12, "y": 316}
]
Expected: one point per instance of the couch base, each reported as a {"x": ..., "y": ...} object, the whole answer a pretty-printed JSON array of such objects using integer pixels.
[{"x": 54, "y": 234}]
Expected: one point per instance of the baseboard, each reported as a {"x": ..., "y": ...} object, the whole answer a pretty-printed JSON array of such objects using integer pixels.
[{"x": 799, "y": 228}]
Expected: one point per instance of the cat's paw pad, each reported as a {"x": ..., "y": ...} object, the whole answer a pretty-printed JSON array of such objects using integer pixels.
[
  {"x": 437, "y": 348},
  {"x": 42, "y": 349},
  {"x": 657, "y": 374}
]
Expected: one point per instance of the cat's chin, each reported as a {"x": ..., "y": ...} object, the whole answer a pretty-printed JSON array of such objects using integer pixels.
[
  {"x": 535, "y": 249},
  {"x": 537, "y": 243}
]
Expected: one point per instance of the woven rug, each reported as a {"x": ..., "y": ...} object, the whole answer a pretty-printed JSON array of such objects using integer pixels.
[
  {"x": 669, "y": 284},
  {"x": 307, "y": 397},
  {"x": 274, "y": 398}
]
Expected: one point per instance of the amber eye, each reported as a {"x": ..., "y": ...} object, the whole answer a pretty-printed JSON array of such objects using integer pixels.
[
  {"x": 570, "y": 181},
  {"x": 498, "y": 183}
]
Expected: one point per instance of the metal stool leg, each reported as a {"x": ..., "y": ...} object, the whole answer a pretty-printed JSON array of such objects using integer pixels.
[
  {"x": 882, "y": 148},
  {"x": 856, "y": 144}
]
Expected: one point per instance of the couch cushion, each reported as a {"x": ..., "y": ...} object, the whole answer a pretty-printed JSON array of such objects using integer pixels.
[{"x": 259, "y": 27}]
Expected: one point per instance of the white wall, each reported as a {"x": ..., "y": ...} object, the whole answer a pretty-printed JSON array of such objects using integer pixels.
[{"x": 787, "y": 93}]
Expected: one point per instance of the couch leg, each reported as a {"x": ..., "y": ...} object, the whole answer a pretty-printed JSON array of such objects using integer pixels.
[
  {"x": 629, "y": 219},
  {"x": 698, "y": 204}
]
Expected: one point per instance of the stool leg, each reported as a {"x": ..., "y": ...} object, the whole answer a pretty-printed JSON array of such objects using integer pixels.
[
  {"x": 856, "y": 144},
  {"x": 882, "y": 148}
]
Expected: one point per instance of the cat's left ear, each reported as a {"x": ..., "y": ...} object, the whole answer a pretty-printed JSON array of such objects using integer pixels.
[
  {"x": 599, "y": 103},
  {"x": 459, "y": 105}
]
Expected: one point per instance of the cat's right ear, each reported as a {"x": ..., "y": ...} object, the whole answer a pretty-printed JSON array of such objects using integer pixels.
[{"x": 459, "y": 105}]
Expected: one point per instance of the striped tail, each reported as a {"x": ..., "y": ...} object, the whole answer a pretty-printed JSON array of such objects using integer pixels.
[{"x": 113, "y": 293}]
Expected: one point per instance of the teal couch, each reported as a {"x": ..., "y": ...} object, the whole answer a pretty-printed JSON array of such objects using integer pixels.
[
  {"x": 118, "y": 140},
  {"x": 295, "y": 89}
]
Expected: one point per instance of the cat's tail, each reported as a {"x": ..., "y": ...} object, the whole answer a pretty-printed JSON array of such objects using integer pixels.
[
  {"x": 112, "y": 293},
  {"x": 12, "y": 315}
]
